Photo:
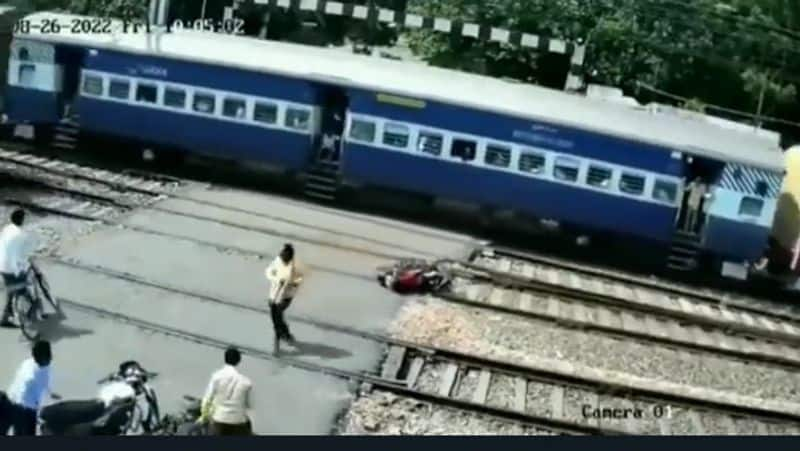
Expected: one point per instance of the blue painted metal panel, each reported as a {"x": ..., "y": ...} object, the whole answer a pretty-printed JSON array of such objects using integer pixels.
[
  {"x": 538, "y": 198},
  {"x": 195, "y": 74},
  {"x": 736, "y": 241},
  {"x": 557, "y": 138},
  {"x": 31, "y": 105},
  {"x": 209, "y": 136}
]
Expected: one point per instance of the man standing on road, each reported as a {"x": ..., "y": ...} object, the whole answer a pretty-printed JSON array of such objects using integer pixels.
[
  {"x": 228, "y": 398},
  {"x": 15, "y": 247},
  {"x": 284, "y": 277},
  {"x": 26, "y": 392}
]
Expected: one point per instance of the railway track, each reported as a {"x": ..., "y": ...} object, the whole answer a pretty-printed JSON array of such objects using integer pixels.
[
  {"x": 99, "y": 203},
  {"x": 560, "y": 305},
  {"x": 408, "y": 365},
  {"x": 492, "y": 256},
  {"x": 556, "y": 295},
  {"x": 571, "y": 310},
  {"x": 513, "y": 409},
  {"x": 375, "y": 381},
  {"x": 448, "y": 377}
]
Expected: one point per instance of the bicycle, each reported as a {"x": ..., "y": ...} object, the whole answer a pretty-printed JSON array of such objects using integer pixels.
[{"x": 27, "y": 301}]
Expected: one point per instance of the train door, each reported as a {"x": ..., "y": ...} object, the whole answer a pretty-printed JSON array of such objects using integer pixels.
[
  {"x": 71, "y": 60},
  {"x": 323, "y": 177},
  {"x": 332, "y": 124},
  {"x": 696, "y": 196}
]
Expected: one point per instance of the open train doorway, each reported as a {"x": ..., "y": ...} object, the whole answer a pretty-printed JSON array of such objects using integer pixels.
[
  {"x": 696, "y": 195},
  {"x": 332, "y": 125},
  {"x": 323, "y": 177}
]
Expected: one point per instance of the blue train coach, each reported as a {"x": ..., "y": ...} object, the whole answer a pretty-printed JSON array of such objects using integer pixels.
[{"x": 692, "y": 188}]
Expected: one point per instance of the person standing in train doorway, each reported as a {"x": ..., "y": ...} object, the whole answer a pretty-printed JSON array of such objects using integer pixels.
[
  {"x": 284, "y": 276},
  {"x": 697, "y": 192}
]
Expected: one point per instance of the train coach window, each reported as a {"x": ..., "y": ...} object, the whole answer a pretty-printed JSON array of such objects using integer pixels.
[
  {"x": 362, "y": 130},
  {"x": 395, "y": 135},
  {"x": 498, "y": 156},
  {"x": 751, "y": 206},
  {"x": 598, "y": 177},
  {"x": 566, "y": 169},
  {"x": 463, "y": 148},
  {"x": 119, "y": 89},
  {"x": 266, "y": 113},
  {"x": 174, "y": 98},
  {"x": 531, "y": 162},
  {"x": 631, "y": 184},
  {"x": 146, "y": 93},
  {"x": 234, "y": 108},
  {"x": 297, "y": 118},
  {"x": 665, "y": 191},
  {"x": 204, "y": 103},
  {"x": 26, "y": 74},
  {"x": 430, "y": 143},
  {"x": 92, "y": 85}
]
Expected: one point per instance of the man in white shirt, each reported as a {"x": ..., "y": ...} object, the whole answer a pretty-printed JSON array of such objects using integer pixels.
[
  {"x": 284, "y": 277},
  {"x": 228, "y": 398},
  {"x": 31, "y": 382},
  {"x": 15, "y": 247}
]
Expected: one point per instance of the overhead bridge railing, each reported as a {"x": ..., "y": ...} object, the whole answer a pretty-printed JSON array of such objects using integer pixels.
[{"x": 482, "y": 32}]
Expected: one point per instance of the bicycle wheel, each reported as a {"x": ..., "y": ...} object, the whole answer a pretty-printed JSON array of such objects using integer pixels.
[
  {"x": 25, "y": 309},
  {"x": 43, "y": 289}
]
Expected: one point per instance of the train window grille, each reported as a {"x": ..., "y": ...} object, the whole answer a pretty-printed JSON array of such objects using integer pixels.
[
  {"x": 430, "y": 143},
  {"x": 665, "y": 191},
  {"x": 396, "y": 135},
  {"x": 598, "y": 177},
  {"x": 266, "y": 113},
  {"x": 146, "y": 93},
  {"x": 175, "y": 98},
  {"x": 631, "y": 184},
  {"x": 298, "y": 119},
  {"x": 566, "y": 169},
  {"x": 119, "y": 89},
  {"x": 463, "y": 148},
  {"x": 93, "y": 85},
  {"x": 531, "y": 162},
  {"x": 361, "y": 130},
  {"x": 27, "y": 74},
  {"x": 204, "y": 103},
  {"x": 751, "y": 206},
  {"x": 234, "y": 108},
  {"x": 498, "y": 156}
]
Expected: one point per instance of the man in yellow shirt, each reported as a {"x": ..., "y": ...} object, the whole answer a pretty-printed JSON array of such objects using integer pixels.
[{"x": 284, "y": 277}]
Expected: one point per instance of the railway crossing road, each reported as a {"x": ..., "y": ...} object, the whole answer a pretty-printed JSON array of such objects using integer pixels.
[{"x": 222, "y": 252}]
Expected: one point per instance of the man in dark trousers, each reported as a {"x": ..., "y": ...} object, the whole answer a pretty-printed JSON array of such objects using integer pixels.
[{"x": 284, "y": 277}]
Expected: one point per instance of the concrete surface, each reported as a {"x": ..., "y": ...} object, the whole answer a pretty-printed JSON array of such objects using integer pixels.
[
  {"x": 87, "y": 348},
  {"x": 340, "y": 288}
]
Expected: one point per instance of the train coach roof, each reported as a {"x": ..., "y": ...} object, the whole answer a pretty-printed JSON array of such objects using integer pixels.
[{"x": 448, "y": 86}]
